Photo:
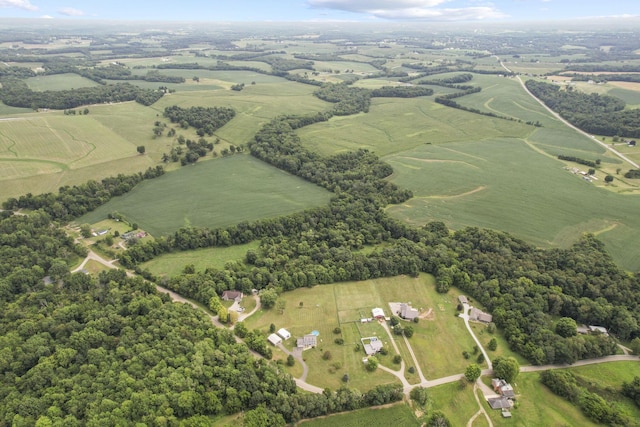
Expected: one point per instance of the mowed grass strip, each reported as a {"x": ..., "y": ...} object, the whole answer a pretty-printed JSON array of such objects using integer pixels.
[
  {"x": 398, "y": 415},
  {"x": 213, "y": 194},
  {"x": 172, "y": 264},
  {"x": 65, "y": 81}
]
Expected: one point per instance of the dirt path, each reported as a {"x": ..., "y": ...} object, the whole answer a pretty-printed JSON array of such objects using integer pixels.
[{"x": 481, "y": 410}]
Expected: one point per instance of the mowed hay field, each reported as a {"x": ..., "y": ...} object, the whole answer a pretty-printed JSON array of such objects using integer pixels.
[
  {"x": 398, "y": 415},
  {"x": 438, "y": 342},
  {"x": 213, "y": 193},
  {"x": 173, "y": 264}
]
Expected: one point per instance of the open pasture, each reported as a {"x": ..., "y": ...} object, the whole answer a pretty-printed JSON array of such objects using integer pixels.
[
  {"x": 489, "y": 184},
  {"x": 59, "y": 82},
  {"x": 172, "y": 264},
  {"x": 212, "y": 194}
]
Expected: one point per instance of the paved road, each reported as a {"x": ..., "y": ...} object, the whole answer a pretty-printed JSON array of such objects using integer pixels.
[
  {"x": 606, "y": 359},
  {"x": 559, "y": 117}
]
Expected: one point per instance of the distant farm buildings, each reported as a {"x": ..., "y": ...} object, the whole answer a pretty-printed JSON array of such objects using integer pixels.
[{"x": 592, "y": 329}]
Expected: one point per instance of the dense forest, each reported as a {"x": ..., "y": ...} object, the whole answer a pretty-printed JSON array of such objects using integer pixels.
[
  {"x": 109, "y": 350},
  {"x": 591, "y": 112}
]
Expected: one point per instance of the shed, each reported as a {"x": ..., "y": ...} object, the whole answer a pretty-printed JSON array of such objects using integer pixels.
[
  {"x": 274, "y": 339},
  {"x": 284, "y": 334},
  {"x": 600, "y": 329},
  {"x": 377, "y": 313},
  {"x": 463, "y": 299}
]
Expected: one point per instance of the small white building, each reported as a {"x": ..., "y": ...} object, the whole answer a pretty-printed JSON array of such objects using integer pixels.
[
  {"x": 284, "y": 334},
  {"x": 377, "y": 313},
  {"x": 274, "y": 339}
]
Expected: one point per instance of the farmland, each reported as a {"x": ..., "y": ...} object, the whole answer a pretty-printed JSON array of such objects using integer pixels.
[{"x": 213, "y": 194}]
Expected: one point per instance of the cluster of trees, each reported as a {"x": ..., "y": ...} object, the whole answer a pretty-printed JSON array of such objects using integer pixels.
[
  {"x": 567, "y": 385},
  {"x": 347, "y": 99},
  {"x": 448, "y": 100},
  {"x": 632, "y": 174},
  {"x": 590, "y": 163},
  {"x": 352, "y": 100},
  {"x": 591, "y": 112},
  {"x": 632, "y": 390},
  {"x": 205, "y": 119},
  {"x": 16, "y": 93},
  {"x": 73, "y": 201}
]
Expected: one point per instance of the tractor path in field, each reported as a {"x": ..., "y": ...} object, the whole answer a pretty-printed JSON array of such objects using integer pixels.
[{"x": 559, "y": 117}]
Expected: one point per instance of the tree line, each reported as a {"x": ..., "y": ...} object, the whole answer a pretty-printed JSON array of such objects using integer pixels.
[
  {"x": 16, "y": 93},
  {"x": 591, "y": 112}
]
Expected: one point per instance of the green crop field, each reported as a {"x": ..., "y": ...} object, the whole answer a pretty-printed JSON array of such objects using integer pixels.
[
  {"x": 489, "y": 184},
  {"x": 172, "y": 264},
  {"x": 213, "y": 193},
  {"x": 438, "y": 342},
  {"x": 398, "y": 415},
  {"x": 395, "y": 125},
  {"x": 59, "y": 82}
]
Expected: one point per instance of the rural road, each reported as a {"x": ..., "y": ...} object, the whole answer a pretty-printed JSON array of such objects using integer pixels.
[
  {"x": 465, "y": 317},
  {"x": 301, "y": 383},
  {"x": 559, "y": 117}
]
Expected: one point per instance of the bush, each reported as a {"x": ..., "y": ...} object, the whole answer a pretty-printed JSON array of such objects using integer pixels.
[
  {"x": 327, "y": 355},
  {"x": 384, "y": 351},
  {"x": 466, "y": 354},
  {"x": 290, "y": 360},
  {"x": 397, "y": 359},
  {"x": 412, "y": 370},
  {"x": 493, "y": 344},
  {"x": 339, "y": 341},
  {"x": 337, "y": 330}
]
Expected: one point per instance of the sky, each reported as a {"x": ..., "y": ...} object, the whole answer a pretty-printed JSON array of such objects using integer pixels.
[{"x": 319, "y": 10}]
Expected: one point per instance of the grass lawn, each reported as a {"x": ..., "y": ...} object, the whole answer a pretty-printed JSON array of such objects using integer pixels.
[
  {"x": 397, "y": 415},
  {"x": 212, "y": 194},
  {"x": 457, "y": 404},
  {"x": 538, "y": 406},
  {"x": 172, "y": 264},
  {"x": 503, "y": 349},
  {"x": 438, "y": 342}
]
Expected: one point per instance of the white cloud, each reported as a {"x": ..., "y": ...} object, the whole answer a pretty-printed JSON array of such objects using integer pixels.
[
  {"x": 20, "y": 4},
  {"x": 410, "y": 9},
  {"x": 69, "y": 11},
  {"x": 46, "y": 17}
]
